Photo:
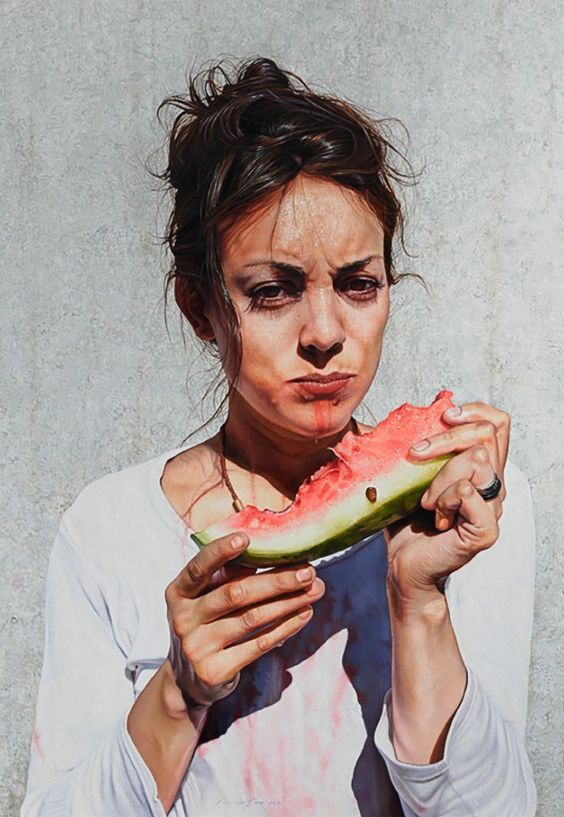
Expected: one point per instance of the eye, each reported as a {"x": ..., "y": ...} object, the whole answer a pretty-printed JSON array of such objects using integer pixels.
[
  {"x": 272, "y": 295},
  {"x": 363, "y": 288}
]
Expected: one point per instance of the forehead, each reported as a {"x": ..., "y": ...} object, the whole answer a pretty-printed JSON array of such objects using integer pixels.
[{"x": 309, "y": 220}]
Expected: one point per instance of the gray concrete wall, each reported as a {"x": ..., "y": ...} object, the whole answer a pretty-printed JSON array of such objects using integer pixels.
[{"x": 93, "y": 383}]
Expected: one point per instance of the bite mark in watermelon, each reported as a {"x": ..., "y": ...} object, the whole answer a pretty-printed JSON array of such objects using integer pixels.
[{"x": 334, "y": 508}]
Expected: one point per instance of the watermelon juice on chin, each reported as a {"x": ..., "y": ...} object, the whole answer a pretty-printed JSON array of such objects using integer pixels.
[{"x": 370, "y": 484}]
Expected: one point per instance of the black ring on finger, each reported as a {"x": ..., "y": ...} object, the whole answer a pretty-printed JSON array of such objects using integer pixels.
[{"x": 492, "y": 490}]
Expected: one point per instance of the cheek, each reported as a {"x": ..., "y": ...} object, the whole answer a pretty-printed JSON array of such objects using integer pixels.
[
  {"x": 266, "y": 347},
  {"x": 366, "y": 331}
]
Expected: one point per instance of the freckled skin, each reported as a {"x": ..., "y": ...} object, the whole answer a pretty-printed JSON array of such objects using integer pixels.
[
  {"x": 318, "y": 225},
  {"x": 319, "y": 322}
]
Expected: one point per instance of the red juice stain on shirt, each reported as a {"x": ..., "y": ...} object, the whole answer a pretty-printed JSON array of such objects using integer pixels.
[
  {"x": 342, "y": 684},
  {"x": 36, "y": 740},
  {"x": 247, "y": 727}
]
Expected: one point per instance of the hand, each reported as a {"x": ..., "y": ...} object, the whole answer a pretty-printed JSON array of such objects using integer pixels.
[
  {"x": 419, "y": 557},
  {"x": 215, "y": 609}
]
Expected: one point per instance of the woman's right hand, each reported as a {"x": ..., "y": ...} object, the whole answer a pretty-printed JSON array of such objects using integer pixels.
[{"x": 215, "y": 609}]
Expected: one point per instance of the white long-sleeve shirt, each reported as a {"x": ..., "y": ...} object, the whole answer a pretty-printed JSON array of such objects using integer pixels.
[{"x": 306, "y": 731}]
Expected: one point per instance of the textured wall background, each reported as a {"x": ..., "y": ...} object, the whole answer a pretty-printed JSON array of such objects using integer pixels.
[{"x": 94, "y": 383}]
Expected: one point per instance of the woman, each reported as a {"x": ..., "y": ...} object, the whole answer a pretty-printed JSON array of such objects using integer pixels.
[{"x": 388, "y": 679}]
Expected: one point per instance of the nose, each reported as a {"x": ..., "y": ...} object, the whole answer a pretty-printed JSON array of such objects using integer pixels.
[{"x": 322, "y": 328}]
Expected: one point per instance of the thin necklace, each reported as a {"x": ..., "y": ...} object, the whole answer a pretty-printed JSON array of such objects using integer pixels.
[{"x": 237, "y": 504}]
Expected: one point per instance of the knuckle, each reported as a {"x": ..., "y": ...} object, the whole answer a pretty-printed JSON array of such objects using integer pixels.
[
  {"x": 486, "y": 429},
  {"x": 235, "y": 593},
  {"x": 194, "y": 571},
  {"x": 207, "y": 675},
  {"x": 464, "y": 487},
  {"x": 479, "y": 454},
  {"x": 264, "y": 642},
  {"x": 249, "y": 619}
]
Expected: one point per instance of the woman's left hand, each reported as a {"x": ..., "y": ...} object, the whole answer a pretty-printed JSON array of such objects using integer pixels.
[{"x": 423, "y": 551}]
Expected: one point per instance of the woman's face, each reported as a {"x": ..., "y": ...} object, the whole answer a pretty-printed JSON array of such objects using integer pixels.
[{"x": 306, "y": 276}]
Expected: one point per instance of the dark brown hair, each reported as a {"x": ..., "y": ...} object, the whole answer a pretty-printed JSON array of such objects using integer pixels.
[{"x": 235, "y": 140}]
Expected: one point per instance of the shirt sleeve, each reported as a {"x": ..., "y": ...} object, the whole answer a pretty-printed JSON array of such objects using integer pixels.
[
  {"x": 82, "y": 759},
  {"x": 485, "y": 769}
]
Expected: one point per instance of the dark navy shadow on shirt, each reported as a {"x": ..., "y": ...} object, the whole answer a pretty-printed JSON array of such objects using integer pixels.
[{"x": 355, "y": 601}]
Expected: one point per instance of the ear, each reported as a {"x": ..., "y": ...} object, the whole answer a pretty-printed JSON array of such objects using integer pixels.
[{"x": 192, "y": 306}]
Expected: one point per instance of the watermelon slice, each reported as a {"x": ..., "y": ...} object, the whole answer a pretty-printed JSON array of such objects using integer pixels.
[{"x": 368, "y": 485}]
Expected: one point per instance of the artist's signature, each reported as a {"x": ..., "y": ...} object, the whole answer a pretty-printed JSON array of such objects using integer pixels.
[{"x": 247, "y": 804}]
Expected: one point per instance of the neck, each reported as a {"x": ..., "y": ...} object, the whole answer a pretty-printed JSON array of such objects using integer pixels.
[{"x": 282, "y": 457}]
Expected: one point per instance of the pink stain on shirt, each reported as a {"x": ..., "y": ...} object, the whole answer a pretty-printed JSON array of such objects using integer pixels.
[
  {"x": 36, "y": 740},
  {"x": 249, "y": 753},
  {"x": 342, "y": 683}
]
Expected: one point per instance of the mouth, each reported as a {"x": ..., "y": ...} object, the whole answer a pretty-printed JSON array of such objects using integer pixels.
[
  {"x": 319, "y": 385},
  {"x": 323, "y": 378}
]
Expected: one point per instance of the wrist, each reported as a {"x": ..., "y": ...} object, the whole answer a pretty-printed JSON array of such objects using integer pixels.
[
  {"x": 177, "y": 702},
  {"x": 409, "y": 602}
]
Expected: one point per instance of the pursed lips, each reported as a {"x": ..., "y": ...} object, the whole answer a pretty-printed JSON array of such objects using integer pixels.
[{"x": 320, "y": 378}]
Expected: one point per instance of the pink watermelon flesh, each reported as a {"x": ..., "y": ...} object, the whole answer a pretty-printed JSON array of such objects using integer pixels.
[{"x": 331, "y": 510}]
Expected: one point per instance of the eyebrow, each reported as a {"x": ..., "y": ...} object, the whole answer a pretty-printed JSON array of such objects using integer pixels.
[{"x": 283, "y": 266}]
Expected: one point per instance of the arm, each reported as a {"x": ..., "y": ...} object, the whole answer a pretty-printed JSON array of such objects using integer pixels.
[
  {"x": 165, "y": 731},
  {"x": 428, "y": 678},
  {"x": 454, "y": 743},
  {"x": 83, "y": 760},
  {"x": 97, "y": 753}
]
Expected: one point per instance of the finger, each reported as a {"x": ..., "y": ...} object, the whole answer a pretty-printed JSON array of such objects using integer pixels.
[
  {"x": 239, "y": 656},
  {"x": 197, "y": 573},
  {"x": 221, "y": 633},
  {"x": 460, "y": 439},
  {"x": 228, "y": 573},
  {"x": 456, "y": 440},
  {"x": 473, "y": 464},
  {"x": 476, "y": 411},
  {"x": 253, "y": 590},
  {"x": 477, "y": 524}
]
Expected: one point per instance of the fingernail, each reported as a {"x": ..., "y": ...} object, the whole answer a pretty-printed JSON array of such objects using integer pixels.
[
  {"x": 316, "y": 587},
  {"x": 454, "y": 412},
  {"x": 304, "y": 574},
  {"x": 306, "y": 613},
  {"x": 237, "y": 542},
  {"x": 425, "y": 496},
  {"x": 420, "y": 446}
]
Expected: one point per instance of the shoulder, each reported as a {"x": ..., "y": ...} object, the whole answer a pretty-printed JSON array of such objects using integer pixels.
[{"x": 113, "y": 511}]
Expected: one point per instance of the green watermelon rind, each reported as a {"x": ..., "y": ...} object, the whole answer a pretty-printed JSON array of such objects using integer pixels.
[{"x": 346, "y": 522}]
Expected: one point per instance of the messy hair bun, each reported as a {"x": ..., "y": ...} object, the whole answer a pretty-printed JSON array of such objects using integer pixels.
[
  {"x": 239, "y": 135},
  {"x": 266, "y": 73}
]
